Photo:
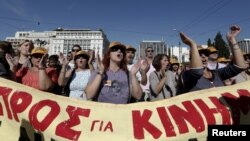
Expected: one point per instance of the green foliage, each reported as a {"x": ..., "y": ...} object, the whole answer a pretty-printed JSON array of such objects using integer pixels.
[
  {"x": 221, "y": 46},
  {"x": 209, "y": 43}
]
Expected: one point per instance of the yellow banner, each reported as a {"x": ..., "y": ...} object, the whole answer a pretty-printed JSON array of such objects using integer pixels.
[{"x": 29, "y": 113}]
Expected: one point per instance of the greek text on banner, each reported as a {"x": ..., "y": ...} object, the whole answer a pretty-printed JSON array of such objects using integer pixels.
[{"x": 30, "y": 113}]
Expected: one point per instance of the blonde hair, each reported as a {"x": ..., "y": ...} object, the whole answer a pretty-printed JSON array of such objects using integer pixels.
[{"x": 23, "y": 42}]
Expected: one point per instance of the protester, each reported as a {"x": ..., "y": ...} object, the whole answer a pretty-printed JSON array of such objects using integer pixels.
[
  {"x": 141, "y": 75},
  {"x": 149, "y": 52},
  {"x": 162, "y": 81},
  {"x": 53, "y": 62},
  {"x": 75, "y": 49},
  {"x": 199, "y": 78},
  {"x": 212, "y": 62},
  {"x": 112, "y": 82},
  {"x": 24, "y": 51},
  {"x": 7, "y": 63},
  {"x": 75, "y": 80},
  {"x": 38, "y": 76},
  {"x": 244, "y": 75},
  {"x": 175, "y": 68}
]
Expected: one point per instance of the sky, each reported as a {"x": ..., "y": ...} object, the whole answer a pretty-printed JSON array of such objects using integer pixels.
[{"x": 129, "y": 21}]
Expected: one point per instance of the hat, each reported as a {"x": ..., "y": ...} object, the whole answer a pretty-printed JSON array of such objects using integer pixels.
[
  {"x": 115, "y": 43},
  {"x": 39, "y": 50},
  {"x": 200, "y": 48},
  {"x": 212, "y": 49},
  {"x": 203, "y": 50},
  {"x": 223, "y": 59},
  {"x": 129, "y": 47},
  {"x": 82, "y": 53},
  {"x": 174, "y": 61}
]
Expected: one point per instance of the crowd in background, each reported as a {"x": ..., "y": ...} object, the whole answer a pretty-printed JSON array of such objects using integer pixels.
[{"x": 117, "y": 78}]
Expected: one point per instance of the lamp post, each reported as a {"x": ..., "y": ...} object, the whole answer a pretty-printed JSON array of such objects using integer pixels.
[{"x": 179, "y": 45}]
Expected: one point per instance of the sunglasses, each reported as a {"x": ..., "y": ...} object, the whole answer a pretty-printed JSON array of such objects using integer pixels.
[
  {"x": 75, "y": 50},
  {"x": 114, "y": 49},
  {"x": 150, "y": 50},
  {"x": 206, "y": 53},
  {"x": 37, "y": 55},
  {"x": 83, "y": 56}
]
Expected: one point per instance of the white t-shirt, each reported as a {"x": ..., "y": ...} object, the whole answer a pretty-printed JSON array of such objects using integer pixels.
[{"x": 138, "y": 74}]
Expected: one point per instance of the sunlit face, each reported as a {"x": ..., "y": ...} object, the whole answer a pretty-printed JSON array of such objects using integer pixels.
[
  {"x": 52, "y": 63},
  {"x": 35, "y": 59},
  {"x": 204, "y": 57},
  {"x": 81, "y": 61},
  {"x": 164, "y": 63},
  {"x": 213, "y": 55},
  {"x": 117, "y": 54},
  {"x": 175, "y": 67},
  {"x": 75, "y": 50},
  {"x": 130, "y": 56},
  {"x": 25, "y": 48},
  {"x": 149, "y": 52},
  {"x": 69, "y": 56}
]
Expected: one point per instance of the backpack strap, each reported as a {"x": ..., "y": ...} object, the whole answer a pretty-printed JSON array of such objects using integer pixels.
[{"x": 130, "y": 95}]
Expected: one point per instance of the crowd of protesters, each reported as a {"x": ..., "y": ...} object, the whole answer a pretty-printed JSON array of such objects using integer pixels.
[{"x": 116, "y": 78}]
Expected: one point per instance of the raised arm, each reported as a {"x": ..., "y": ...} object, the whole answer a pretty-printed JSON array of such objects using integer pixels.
[
  {"x": 134, "y": 85},
  {"x": 45, "y": 82},
  {"x": 143, "y": 71},
  {"x": 194, "y": 54},
  {"x": 236, "y": 51},
  {"x": 92, "y": 87}
]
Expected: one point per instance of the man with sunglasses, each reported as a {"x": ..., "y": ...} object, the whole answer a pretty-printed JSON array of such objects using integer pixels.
[
  {"x": 200, "y": 77},
  {"x": 141, "y": 76},
  {"x": 212, "y": 59},
  {"x": 149, "y": 52}
]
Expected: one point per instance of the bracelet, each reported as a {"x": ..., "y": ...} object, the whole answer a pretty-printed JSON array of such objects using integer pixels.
[
  {"x": 234, "y": 44},
  {"x": 100, "y": 73}
]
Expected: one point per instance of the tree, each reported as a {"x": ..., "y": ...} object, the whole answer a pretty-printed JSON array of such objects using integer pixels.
[
  {"x": 209, "y": 43},
  {"x": 221, "y": 46}
]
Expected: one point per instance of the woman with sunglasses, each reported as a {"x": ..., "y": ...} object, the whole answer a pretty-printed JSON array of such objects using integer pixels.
[
  {"x": 112, "y": 82},
  {"x": 199, "y": 76},
  {"x": 75, "y": 49},
  {"x": 38, "y": 76},
  {"x": 75, "y": 80}
]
